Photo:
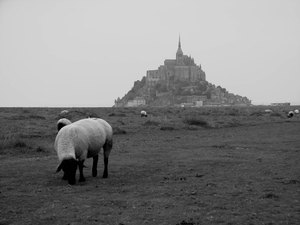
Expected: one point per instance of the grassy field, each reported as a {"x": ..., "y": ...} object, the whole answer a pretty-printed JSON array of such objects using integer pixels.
[{"x": 181, "y": 166}]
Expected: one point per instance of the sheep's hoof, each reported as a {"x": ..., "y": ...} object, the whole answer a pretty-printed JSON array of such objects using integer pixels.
[
  {"x": 81, "y": 179},
  {"x": 105, "y": 175}
]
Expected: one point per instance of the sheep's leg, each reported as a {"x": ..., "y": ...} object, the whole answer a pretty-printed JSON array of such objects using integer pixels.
[
  {"x": 106, "y": 151},
  {"x": 65, "y": 177},
  {"x": 95, "y": 163},
  {"x": 81, "y": 177},
  {"x": 105, "y": 173}
]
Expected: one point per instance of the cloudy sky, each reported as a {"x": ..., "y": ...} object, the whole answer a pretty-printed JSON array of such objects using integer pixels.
[{"x": 89, "y": 52}]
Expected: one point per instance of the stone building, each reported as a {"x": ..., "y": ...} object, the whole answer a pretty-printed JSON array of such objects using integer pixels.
[
  {"x": 183, "y": 68},
  {"x": 137, "y": 101},
  {"x": 178, "y": 82}
]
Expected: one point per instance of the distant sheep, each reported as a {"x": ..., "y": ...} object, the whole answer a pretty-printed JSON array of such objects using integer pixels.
[
  {"x": 62, "y": 122},
  {"x": 290, "y": 114},
  {"x": 268, "y": 110},
  {"x": 80, "y": 140},
  {"x": 296, "y": 111},
  {"x": 64, "y": 112},
  {"x": 143, "y": 113}
]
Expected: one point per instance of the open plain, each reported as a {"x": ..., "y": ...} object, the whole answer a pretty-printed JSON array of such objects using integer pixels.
[{"x": 180, "y": 166}]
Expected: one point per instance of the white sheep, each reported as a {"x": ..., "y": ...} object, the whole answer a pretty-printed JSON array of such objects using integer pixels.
[
  {"x": 80, "y": 140},
  {"x": 64, "y": 112},
  {"x": 296, "y": 111},
  {"x": 268, "y": 110},
  {"x": 62, "y": 122},
  {"x": 143, "y": 113},
  {"x": 290, "y": 114}
]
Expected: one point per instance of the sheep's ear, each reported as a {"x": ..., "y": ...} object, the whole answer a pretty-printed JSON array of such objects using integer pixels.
[{"x": 59, "y": 167}]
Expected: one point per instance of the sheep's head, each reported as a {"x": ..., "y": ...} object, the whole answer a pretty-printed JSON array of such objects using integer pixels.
[
  {"x": 69, "y": 166},
  {"x": 290, "y": 114},
  {"x": 62, "y": 122}
]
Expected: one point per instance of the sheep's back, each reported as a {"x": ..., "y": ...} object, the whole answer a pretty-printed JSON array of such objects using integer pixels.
[{"x": 92, "y": 132}]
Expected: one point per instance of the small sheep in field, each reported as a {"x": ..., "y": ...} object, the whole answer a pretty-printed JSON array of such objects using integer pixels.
[
  {"x": 268, "y": 110},
  {"x": 62, "y": 122},
  {"x": 143, "y": 113},
  {"x": 80, "y": 140},
  {"x": 296, "y": 111},
  {"x": 64, "y": 112},
  {"x": 290, "y": 114}
]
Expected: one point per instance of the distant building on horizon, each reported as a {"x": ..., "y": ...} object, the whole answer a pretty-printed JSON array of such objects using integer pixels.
[
  {"x": 182, "y": 68},
  {"x": 137, "y": 101},
  {"x": 178, "y": 82},
  {"x": 281, "y": 104}
]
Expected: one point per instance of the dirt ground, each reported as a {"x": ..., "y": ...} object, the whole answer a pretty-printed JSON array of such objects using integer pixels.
[{"x": 242, "y": 171}]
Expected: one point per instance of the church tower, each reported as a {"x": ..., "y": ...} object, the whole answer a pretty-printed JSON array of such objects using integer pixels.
[{"x": 179, "y": 52}]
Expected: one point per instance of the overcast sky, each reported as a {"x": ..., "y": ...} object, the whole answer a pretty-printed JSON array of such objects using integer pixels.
[{"x": 90, "y": 52}]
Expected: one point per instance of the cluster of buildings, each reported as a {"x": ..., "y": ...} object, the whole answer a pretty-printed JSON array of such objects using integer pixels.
[
  {"x": 183, "y": 68},
  {"x": 176, "y": 83},
  {"x": 281, "y": 104}
]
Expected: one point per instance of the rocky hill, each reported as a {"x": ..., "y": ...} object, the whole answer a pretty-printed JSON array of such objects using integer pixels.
[
  {"x": 181, "y": 94},
  {"x": 179, "y": 82}
]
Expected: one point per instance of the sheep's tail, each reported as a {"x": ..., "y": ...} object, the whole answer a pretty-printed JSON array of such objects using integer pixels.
[
  {"x": 106, "y": 151},
  {"x": 108, "y": 144},
  {"x": 107, "y": 148}
]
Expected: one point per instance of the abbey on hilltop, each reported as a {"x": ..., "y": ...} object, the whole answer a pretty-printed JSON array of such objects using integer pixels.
[
  {"x": 179, "y": 82},
  {"x": 183, "y": 68}
]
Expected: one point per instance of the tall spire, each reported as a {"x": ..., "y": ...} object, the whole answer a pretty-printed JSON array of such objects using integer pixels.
[{"x": 179, "y": 52}]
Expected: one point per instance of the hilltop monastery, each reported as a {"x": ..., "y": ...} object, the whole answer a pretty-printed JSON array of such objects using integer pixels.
[
  {"x": 183, "y": 68},
  {"x": 178, "y": 82}
]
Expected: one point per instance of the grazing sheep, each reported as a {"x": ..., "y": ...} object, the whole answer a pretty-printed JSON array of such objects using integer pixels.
[
  {"x": 296, "y": 111},
  {"x": 143, "y": 113},
  {"x": 62, "y": 122},
  {"x": 290, "y": 114},
  {"x": 268, "y": 110},
  {"x": 80, "y": 140},
  {"x": 64, "y": 112}
]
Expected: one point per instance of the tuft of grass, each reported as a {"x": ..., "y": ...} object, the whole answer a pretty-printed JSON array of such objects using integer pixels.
[
  {"x": 40, "y": 149},
  {"x": 191, "y": 128},
  {"x": 25, "y": 111},
  {"x": 118, "y": 130},
  {"x": 18, "y": 117},
  {"x": 20, "y": 144},
  {"x": 36, "y": 117},
  {"x": 7, "y": 140},
  {"x": 152, "y": 122},
  {"x": 222, "y": 146},
  {"x": 183, "y": 222},
  {"x": 11, "y": 140},
  {"x": 276, "y": 114},
  {"x": 270, "y": 195},
  {"x": 259, "y": 113},
  {"x": 197, "y": 121},
  {"x": 117, "y": 114},
  {"x": 167, "y": 128},
  {"x": 233, "y": 123},
  {"x": 233, "y": 112}
]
